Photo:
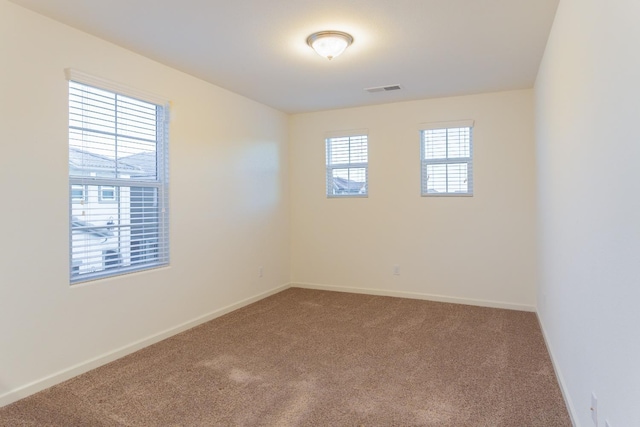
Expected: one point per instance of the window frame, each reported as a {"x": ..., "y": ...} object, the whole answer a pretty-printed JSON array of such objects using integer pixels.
[
  {"x": 330, "y": 167},
  {"x": 425, "y": 163},
  {"x": 82, "y": 188},
  {"x": 112, "y": 261},
  {"x": 102, "y": 198}
]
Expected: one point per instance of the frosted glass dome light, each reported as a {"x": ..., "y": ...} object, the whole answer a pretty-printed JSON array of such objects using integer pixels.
[{"x": 329, "y": 43}]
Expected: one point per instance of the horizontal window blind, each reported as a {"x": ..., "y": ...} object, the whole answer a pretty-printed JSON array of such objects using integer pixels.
[
  {"x": 347, "y": 166},
  {"x": 447, "y": 161},
  {"x": 118, "y": 182}
]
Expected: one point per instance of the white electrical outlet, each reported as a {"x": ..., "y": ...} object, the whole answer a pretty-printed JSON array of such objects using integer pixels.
[
  {"x": 594, "y": 409},
  {"x": 396, "y": 270}
]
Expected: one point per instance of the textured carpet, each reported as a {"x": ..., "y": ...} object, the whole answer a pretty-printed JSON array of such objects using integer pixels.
[{"x": 317, "y": 358}]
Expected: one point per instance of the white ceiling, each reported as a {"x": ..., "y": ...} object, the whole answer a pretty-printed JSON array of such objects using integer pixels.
[{"x": 257, "y": 48}]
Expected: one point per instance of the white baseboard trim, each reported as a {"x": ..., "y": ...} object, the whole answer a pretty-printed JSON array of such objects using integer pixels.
[
  {"x": 80, "y": 368},
  {"x": 416, "y": 295},
  {"x": 556, "y": 368}
]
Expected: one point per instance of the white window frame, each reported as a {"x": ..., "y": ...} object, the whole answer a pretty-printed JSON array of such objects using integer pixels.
[
  {"x": 105, "y": 199},
  {"x": 329, "y": 141},
  {"x": 159, "y": 255},
  {"x": 77, "y": 187},
  {"x": 424, "y": 163}
]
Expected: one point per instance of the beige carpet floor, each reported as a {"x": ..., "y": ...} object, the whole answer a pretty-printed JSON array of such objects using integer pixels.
[{"x": 317, "y": 358}]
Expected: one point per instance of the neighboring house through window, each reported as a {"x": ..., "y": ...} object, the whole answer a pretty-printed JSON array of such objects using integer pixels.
[
  {"x": 446, "y": 151},
  {"x": 118, "y": 178},
  {"x": 347, "y": 160}
]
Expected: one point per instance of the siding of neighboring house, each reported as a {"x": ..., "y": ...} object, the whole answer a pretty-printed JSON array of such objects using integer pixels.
[
  {"x": 92, "y": 249},
  {"x": 110, "y": 244}
]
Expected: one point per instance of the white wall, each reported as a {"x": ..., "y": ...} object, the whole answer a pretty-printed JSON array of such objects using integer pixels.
[
  {"x": 229, "y": 207},
  {"x": 478, "y": 250},
  {"x": 587, "y": 114}
]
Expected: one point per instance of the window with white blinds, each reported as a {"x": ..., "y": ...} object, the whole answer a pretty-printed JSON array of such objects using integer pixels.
[
  {"x": 118, "y": 182},
  {"x": 447, "y": 161},
  {"x": 347, "y": 166}
]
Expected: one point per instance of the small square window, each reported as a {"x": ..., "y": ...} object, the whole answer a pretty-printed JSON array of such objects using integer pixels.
[
  {"x": 107, "y": 193},
  {"x": 347, "y": 166},
  {"x": 78, "y": 193},
  {"x": 447, "y": 161}
]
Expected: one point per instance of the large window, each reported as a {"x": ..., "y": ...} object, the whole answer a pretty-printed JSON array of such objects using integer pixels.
[
  {"x": 447, "y": 160},
  {"x": 347, "y": 164},
  {"x": 118, "y": 179}
]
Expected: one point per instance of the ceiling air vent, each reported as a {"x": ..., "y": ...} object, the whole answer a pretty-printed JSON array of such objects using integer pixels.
[{"x": 382, "y": 88}]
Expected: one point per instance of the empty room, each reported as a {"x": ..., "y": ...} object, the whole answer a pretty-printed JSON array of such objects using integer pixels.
[{"x": 292, "y": 213}]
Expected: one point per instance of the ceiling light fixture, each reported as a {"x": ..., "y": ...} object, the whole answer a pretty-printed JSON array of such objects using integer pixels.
[{"x": 329, "y": 43}]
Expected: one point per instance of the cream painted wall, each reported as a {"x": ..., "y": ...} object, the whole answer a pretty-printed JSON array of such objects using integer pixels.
[
  {"x": 478, "y": 250},
  {"x": 587, "y": 113},
  {"x": 229, "y": 208}
]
